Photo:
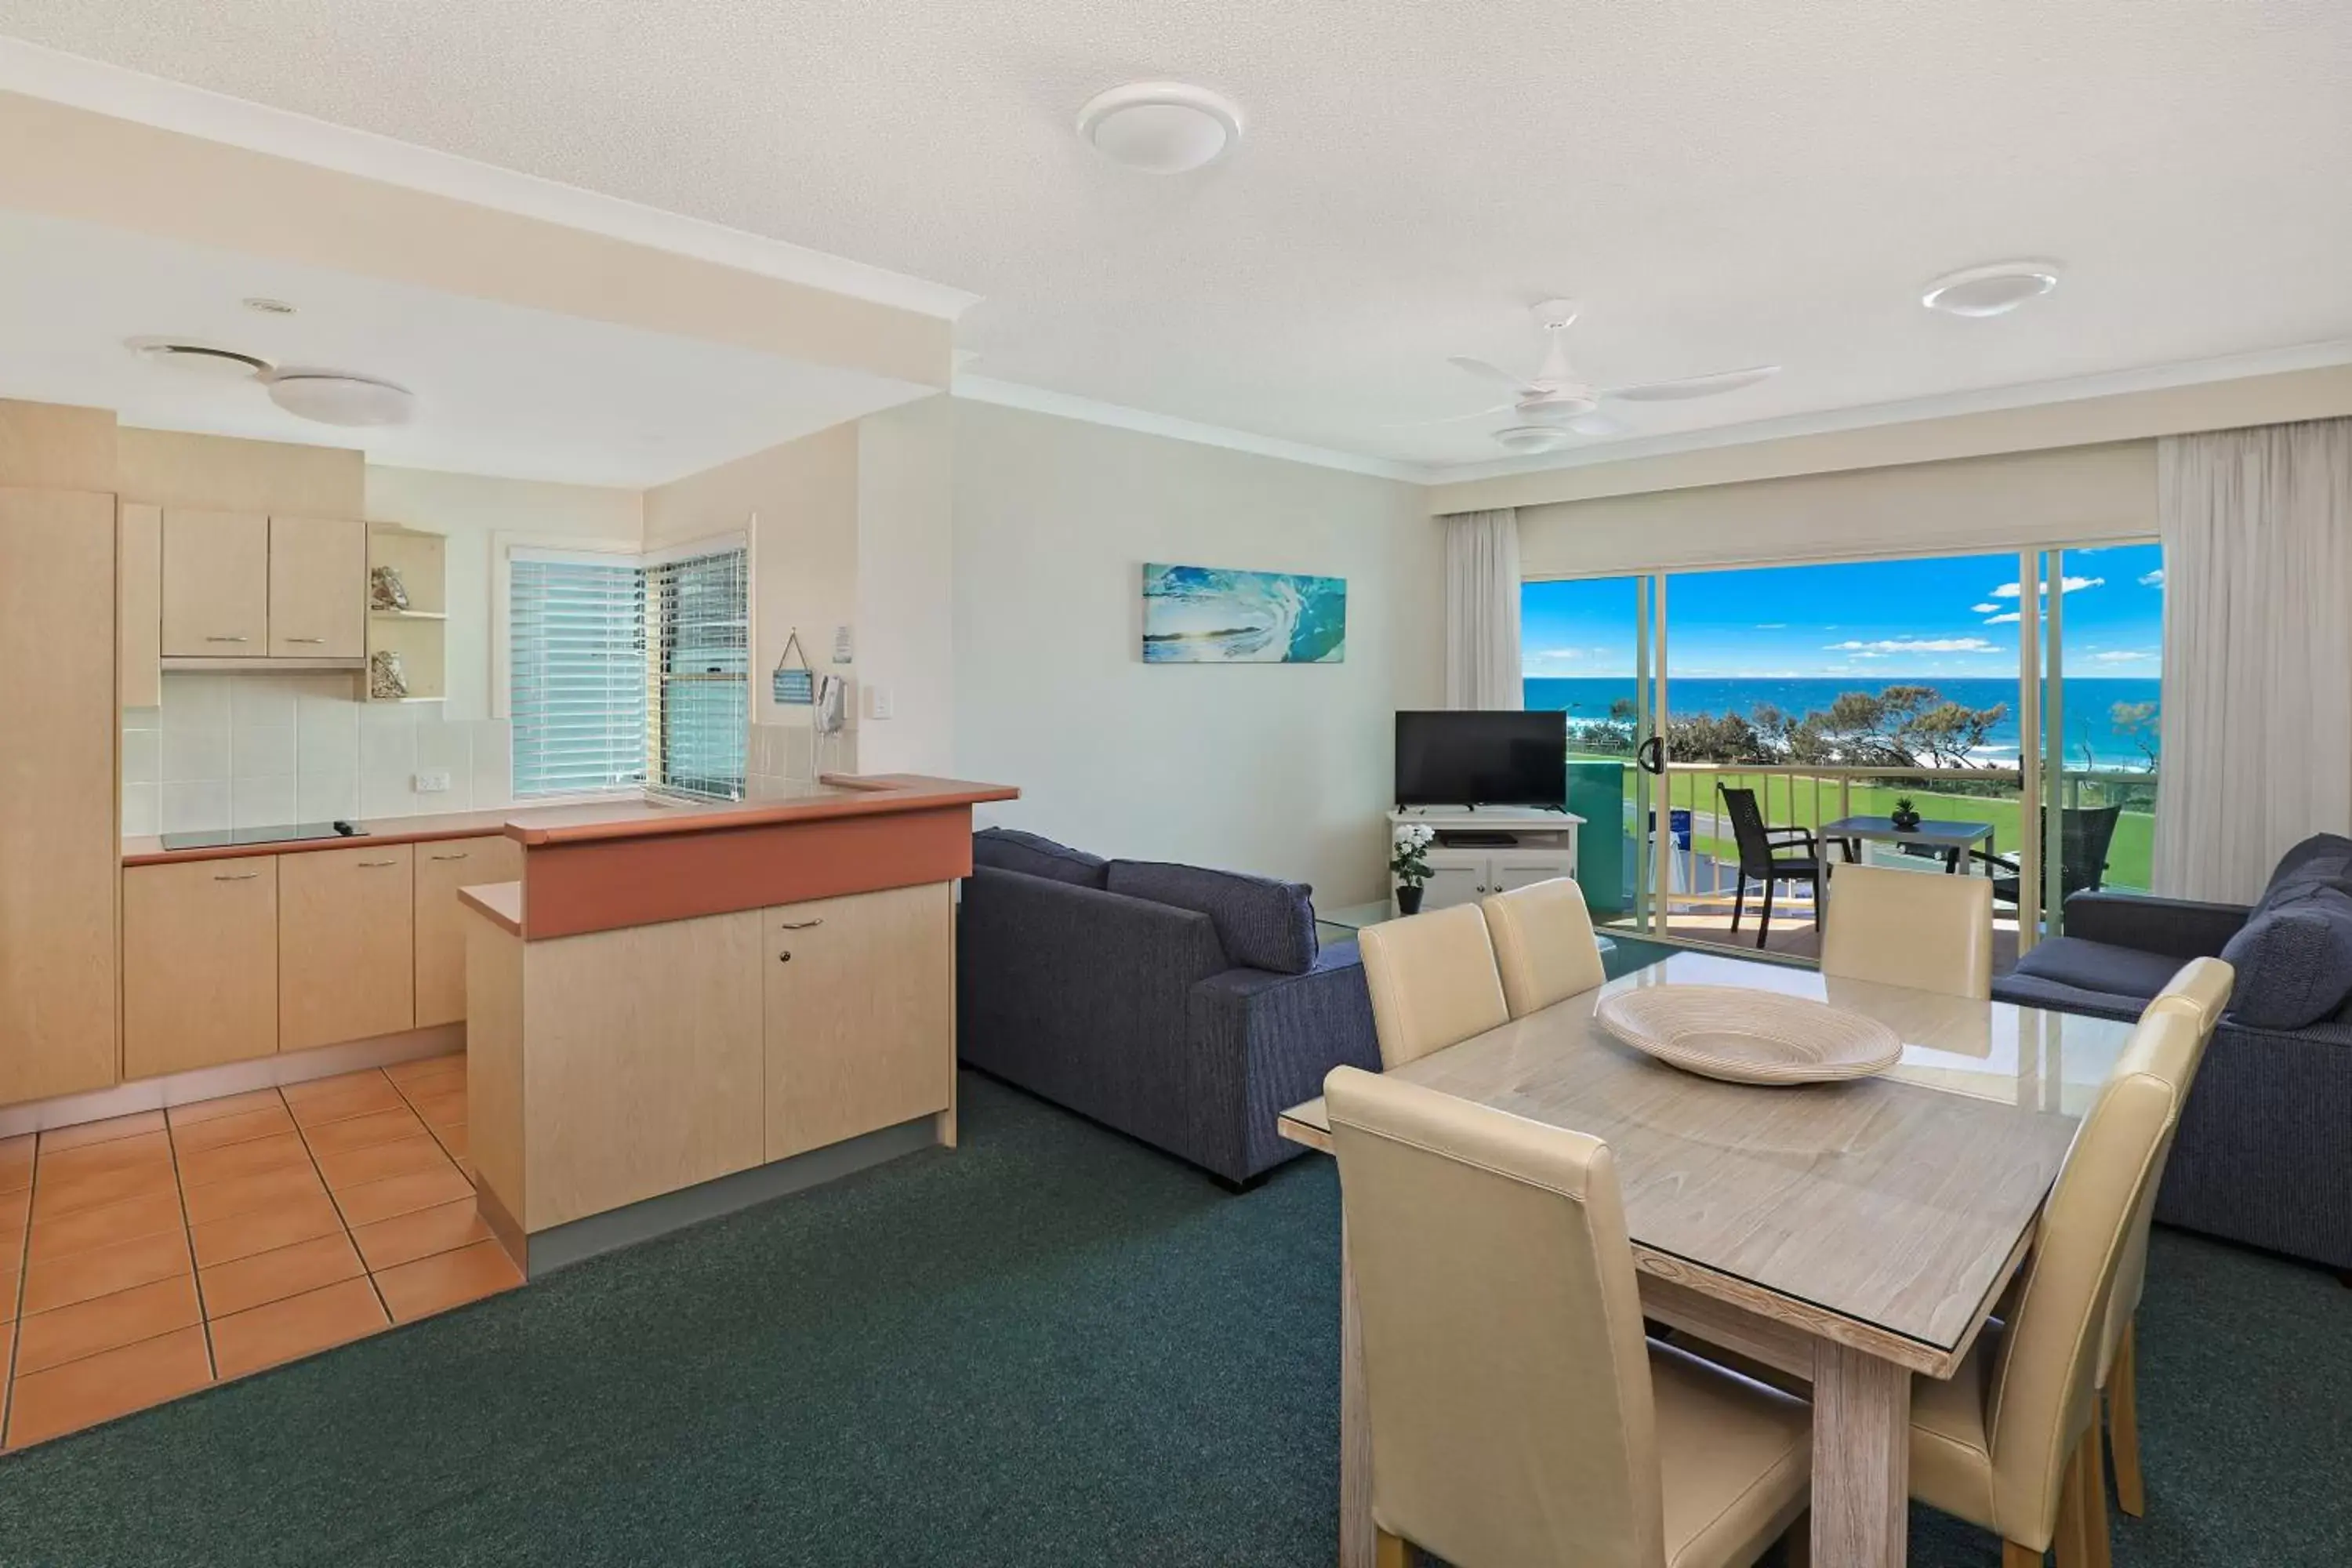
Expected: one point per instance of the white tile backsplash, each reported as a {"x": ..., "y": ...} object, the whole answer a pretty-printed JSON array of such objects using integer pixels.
[{"x": 249, "y": 751}]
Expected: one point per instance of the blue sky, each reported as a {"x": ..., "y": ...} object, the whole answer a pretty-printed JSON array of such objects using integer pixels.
[{"x": 1882, "y": 620}]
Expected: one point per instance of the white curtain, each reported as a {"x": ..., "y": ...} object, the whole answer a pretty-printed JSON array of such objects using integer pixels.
[
  {"x": 1482, "y": 610},
  {"x": 2257, "y": 716}
]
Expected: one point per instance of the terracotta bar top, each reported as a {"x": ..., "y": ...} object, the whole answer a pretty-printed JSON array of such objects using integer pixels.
[{"x": 837, "y": 796}]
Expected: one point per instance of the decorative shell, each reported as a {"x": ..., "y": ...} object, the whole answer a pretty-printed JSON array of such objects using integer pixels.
[
  {"x": 1748, "y": 1037},
  {"x": 385, "y": 590},
  {"x": 388, "y": 681}
]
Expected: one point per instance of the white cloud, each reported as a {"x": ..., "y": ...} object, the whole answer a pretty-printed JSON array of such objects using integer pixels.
[
  {"x": 1771, "y": 626},
  {"x": 1870, "y": 653},
  {"x": 2154, "y": 579},
  {"x": 2007, "y": 619},
  {"x": 2125, "y": 656},
  {"x": 1557, "y": 653},
  {"x": 2072, "y": 585},
  {"x": 1984, "y": 609},
  {"x": 1914, "y": 645}
]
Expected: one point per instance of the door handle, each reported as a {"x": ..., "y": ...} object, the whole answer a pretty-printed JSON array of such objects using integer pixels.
[
  {"x": 1652, "y": 754},
  {"x": 306, "y": 640},
  {"x": 239, "y": 877},
  {"x": 376, "y": 864},
  {"x": 461, "y": 855},
  {"x": 801, "y": 925},
  {"x": 227, "y": 639}
]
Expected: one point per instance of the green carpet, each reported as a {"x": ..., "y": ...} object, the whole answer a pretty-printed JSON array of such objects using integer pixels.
[{"x": 1052, "y": 1346}]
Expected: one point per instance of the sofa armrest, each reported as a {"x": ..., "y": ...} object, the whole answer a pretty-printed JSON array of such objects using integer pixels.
[
  {"x": 2177, "y": 928},
  {"x": 1262, "y": 1043}
]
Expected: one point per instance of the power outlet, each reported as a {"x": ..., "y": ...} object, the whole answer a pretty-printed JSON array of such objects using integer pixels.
[{"x": 433, "y": 783}]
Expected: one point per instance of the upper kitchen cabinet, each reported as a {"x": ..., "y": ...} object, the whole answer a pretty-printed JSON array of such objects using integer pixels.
[
  {"x": 216, "y": 584},
  {"x": 318, "y": 588},
  {"x": 244, "y": 585}
]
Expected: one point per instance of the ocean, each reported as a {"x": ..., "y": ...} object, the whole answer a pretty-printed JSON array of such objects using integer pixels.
[{"x": 2093, "y": 736}]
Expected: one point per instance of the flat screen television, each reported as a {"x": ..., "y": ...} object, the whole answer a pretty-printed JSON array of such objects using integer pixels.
[{"x": 1482, "y": 759}]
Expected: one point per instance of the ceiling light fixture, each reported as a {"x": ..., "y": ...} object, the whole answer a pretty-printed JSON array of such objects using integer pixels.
[
  {"x": 1160, "y": 127},
  {"x": 1993, "y": 290},
  {"x": 332, "y": 398},
  {"x": 191, "y": 358},
  {"x": 1532, "y": 437}
]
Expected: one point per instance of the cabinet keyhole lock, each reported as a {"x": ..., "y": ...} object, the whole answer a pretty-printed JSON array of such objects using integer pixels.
[{"x": 783, "y": 958}]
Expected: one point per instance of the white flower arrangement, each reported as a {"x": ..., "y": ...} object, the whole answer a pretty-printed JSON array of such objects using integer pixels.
[{"x": 1409, "y": 858}]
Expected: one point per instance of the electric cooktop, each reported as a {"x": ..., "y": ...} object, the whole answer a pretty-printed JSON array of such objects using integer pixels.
[{"x": 289, "y": 832}]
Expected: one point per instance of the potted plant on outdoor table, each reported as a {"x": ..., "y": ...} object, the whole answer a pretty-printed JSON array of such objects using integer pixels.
[
  {"x": 1409, "y": 863},
  {"x": 1906, "y": 816}
]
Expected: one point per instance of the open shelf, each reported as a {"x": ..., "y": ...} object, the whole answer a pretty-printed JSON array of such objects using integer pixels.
[
  {"x": 419, "y": 634},
  {"x": 409, "y": 615}
]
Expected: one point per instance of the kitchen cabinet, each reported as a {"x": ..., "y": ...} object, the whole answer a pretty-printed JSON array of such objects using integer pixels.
[
  {"x": 346, "y": 944},
  {"x": 199, "y": 963},
  {"x": 216, "y": 584},
  {"x": 318, "y": 588},
  {"x": 441, "y": 869},
  {"x": 859, "y": 996},
  {"x": 139, "y": 639},
  {"x": 59, "y": 829}
]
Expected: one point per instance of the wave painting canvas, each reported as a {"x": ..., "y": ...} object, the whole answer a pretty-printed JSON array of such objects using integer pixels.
[{"x": 1204, "y": 614}]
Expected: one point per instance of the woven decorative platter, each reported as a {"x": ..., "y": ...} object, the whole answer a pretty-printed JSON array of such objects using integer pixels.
[{"x": 1748, "y": 1037}]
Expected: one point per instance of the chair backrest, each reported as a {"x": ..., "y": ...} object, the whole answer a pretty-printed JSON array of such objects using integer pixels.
[
  {"x": 1747, "y": 830},
  {"x": 1432, "y": 981},
  {"x": 2040, "y": 1397},
  {"x": 1544, "y": 946},
  {"x": 2085, "y": 832},
  {"x": 1512, "y": 1415},
  {"x": 2198, "y": 993},
  {"x": 1925, "y": 930}
]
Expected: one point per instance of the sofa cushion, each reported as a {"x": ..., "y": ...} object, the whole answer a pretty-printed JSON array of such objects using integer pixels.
[
  {"x": 2294, "y": 960},
  {"x": 2323, "y": 860},
  {"x": 1009, "y": 850},
  {"x": 1263, "y": 923},
  {"x": 2100, "y": 967}
]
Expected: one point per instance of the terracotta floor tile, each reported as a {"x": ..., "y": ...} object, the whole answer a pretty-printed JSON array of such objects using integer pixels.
[
  {"x": 220, "y": 1131},
  {"x": 402, "y": 1194},
  {"x": 446, "y": 1280},
  {"x": 407, "y": 1075},
  {"x": 9, "y": 1275},
  {"x": 449, "y": 1105},
  {"x": 84, "y": 1228},
  {"x": 453, "y": 1138},
  {"x": 282, "y": 1271},
  {"x": 359, "y": 1131},
  {"x": 56, "y": 1282},
  {"x": 16, "y": 1164},
  {"x": 264, "y": 1336},
  {"x": 53, "y": 1198},
  {"x": 312, "y": 1089},
  {"x": 351, "y": 1097},
  {"x": 245, "y": 1193},
  {"x": 420, "y": 1233},
  {"x": 59, "y": 1139},
  {"x": 197, "y": 1111},
  {"x": 85, "y": 1391},
  {"x": 376, "y": 1162},
  {"x": 277, "y": 1152},
  {"x": 107, "y": 1323},
  {"x": 260, "y": 1230},
  {"x": 16, "y": 1214},
  {"x": 98, "y": 1159}
]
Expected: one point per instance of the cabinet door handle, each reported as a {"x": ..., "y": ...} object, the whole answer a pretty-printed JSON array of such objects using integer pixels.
[
  {"x": 237, "y": 876},
  {"x": 306, "y": 640},
  {"x": 228, "y": 639},
  {"x": 376, "y": 864},
  {"x": 461, "y": 855},
  {"x": 800, "y": 925}
]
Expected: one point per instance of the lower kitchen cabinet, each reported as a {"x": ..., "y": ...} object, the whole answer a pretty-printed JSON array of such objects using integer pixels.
[
  {"x": 346, "y": 944},
  {"x": 441, "y": 869},
  {"x": 199, "y": 965},
  {"x": 858, "y": 1015}
]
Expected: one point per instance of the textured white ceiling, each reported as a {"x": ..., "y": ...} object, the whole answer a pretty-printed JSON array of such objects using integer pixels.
[{"x": 1723, "y": 182}]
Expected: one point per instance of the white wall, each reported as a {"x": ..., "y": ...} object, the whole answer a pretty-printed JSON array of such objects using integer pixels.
[
  {"x": 1283, "y": 770},
  {"x": 905, "y": 588}
]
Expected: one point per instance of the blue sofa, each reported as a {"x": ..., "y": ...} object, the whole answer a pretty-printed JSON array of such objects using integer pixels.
[
  {"x": 1184, "y": 1006},
  {"x": 2265, "y": 1152}
]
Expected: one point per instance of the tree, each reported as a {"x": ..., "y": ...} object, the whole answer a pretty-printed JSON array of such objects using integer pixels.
[
  {"x": 1898, "y": 728},
  {"x": 2139, "y": 722}
]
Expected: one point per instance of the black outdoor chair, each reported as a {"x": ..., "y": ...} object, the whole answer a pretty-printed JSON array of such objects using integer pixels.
[
  {"x": 1761, "y": 859},
  {"x": 2085, "y": 832}
]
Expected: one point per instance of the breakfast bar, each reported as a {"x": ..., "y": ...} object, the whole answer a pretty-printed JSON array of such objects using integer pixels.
[{"x": 680, "y": 1009}]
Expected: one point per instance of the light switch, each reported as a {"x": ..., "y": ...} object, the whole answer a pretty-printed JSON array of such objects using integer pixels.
[{"x": 877, "y": 702}]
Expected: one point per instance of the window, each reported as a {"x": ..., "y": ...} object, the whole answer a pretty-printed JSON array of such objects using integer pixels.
[{"x": 627, "y": 674}]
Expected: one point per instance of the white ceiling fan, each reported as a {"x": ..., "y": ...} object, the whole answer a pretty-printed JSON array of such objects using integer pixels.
[{"x": 1556, "y": 402}]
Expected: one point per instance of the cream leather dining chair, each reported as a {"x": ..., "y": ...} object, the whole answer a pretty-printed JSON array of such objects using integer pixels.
[
  {"x": 1518, "y": 1419},
  {"x": 2200, "y": 990},
  {"x": 1920, "y": 928},
  {"x": 1544, "y": 945},
  {"x": 1433, "y": 982},
  {"x": 2010, "y": 1441}
]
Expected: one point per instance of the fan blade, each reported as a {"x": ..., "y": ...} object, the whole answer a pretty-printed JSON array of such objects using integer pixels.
[
  {"x": 1597, "y": 425},
  {"x": 1693, "y": 385},
  {"x": 1450, "y": 419},
  {"x": 1495, "y": 372}
]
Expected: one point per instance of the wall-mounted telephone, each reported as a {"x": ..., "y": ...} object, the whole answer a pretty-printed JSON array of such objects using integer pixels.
[{"x": 831, "y": 704}]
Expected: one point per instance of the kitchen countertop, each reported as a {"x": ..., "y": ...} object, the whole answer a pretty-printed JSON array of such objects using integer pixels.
[{"x": 839, "y": 796}]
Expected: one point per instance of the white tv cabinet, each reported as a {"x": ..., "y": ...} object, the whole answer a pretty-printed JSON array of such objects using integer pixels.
[{"x": 1542, "y": 846}]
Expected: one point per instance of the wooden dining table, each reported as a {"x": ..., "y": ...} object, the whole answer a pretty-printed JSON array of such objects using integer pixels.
[{"x": 1854, "y": 1235}]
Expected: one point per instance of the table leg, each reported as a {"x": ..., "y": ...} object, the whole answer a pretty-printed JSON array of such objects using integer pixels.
[
  {"x": 1356, "y": 1534},
  {"x": 1861, "y": 1460}
]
